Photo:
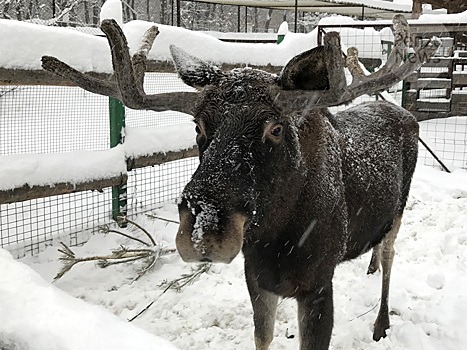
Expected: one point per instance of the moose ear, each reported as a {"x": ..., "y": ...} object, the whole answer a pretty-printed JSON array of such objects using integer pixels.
[
  {"x": 193, "y": 71},
  {"x": 307, "y": 71},
  {"x": 315, "y": 68}
]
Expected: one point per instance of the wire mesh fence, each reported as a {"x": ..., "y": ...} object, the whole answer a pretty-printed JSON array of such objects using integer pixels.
[
  {"x": 52, "y": 119},
  {"x": 29, "y": 227},
  {"x": 448, "y": 139}
]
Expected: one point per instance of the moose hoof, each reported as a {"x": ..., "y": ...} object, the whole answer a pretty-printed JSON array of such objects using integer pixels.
[
  {"x": 377, "y": 335},
  {"x": 371, "y": 270},
  {"x": 379, "y": 332}
]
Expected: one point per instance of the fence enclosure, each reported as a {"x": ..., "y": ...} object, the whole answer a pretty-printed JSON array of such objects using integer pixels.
[
  {"x": 51, "y": 119},
  {"x": 57, "y": 119}
]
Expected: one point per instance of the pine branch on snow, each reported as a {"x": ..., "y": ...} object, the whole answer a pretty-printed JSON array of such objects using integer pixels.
[{"x": 149, "y": 254}]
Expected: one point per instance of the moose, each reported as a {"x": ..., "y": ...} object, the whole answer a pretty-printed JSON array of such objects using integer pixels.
[{"x": 297, "y": 189}]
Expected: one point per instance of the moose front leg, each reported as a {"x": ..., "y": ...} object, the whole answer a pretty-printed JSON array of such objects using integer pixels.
[
  {"x": 264, "y": 310},
  {"x": 315, "y": 319}
]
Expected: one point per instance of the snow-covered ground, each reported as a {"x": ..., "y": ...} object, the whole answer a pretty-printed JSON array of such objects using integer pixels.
[{"x": 428, "y": 299}]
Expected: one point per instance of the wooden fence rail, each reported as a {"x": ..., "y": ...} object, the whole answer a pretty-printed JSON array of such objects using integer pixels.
[{"x": 27, "y": 192}]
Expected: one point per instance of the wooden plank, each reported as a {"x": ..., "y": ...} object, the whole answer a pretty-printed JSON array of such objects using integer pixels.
[
  {"x": 438, "y": 62},
  {"x": 453, "y": 6},
  {"x": 421, "y": 116},
  {"x": 459, "y": 103},
  {"x": 160, "y": 158},
  {"x": 430, "y": 29},
  {"x": 459, "y": 78},
  {"x": 436, "y": 83},
  {"x": 42, "y": 77},
  {"x": 433, "y": 106},
  {"x": 432, "y": 75},
  {"x": 27, "y": 192},
  {"x": 458, "y": 110},
  {"x": 38, "y": 77}
]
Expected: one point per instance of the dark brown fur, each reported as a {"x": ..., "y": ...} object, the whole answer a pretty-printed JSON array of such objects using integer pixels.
[{"x": 303, "y": 191}]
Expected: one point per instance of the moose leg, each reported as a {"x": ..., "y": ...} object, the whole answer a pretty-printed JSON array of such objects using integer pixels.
[
  {"x": 387, "y": 257},
  {"x": 375, "y": 261},
  {"x": 315, "y": 319},
  {"x": 264, "y": 311}
]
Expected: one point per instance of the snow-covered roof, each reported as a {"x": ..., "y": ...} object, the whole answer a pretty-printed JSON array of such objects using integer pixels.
[{"x": 368, "y": 8}]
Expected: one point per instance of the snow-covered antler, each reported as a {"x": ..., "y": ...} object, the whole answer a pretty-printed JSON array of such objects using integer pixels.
[
  {"x": 398, "y": 66},
  {"x": 127, "y": 84}
]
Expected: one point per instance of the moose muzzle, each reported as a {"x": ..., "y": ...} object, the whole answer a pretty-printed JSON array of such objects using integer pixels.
[{"x": 204, "y": 237}]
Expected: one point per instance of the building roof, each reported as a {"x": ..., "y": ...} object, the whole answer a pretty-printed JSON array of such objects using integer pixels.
[{"x": 367, "y": 8}]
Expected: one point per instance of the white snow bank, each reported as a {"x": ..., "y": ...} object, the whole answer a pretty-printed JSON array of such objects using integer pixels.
[
  {"x": 36, "y": 316},
  {"x": 48, "y": 169},
  {"x": 428, "y": 297},
  {"x": 81, "y": 166},
  {"x": 23, "y": 45},
  {"x": 442, "y": 18},
  {"x": 112, "y": 9},
  {"x": 144, "y": 141},
  {"x": 209, "y": 48}
]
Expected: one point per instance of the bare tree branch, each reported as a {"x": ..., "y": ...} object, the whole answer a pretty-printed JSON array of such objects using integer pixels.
[{"x": 122, "y": 255}]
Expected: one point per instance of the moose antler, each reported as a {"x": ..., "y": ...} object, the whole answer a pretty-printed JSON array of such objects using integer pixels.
[
  {"x": 397, "y": 67},
  {"x": 127, "y": 84}
]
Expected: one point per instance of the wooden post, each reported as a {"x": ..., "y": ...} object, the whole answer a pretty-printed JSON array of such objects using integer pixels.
[
  {"x": 296, "y": 15},
  {"x": 179, "y": 14},
  {"x": 416, "y": 9}
]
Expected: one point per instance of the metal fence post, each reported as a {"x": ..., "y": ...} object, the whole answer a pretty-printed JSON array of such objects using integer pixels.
[{"x": 119, "y": 193}]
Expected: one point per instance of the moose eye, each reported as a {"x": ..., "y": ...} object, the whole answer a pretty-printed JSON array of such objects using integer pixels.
[
  {"x": 273, "y": 131},
  {"x": 277, "y": 130}
]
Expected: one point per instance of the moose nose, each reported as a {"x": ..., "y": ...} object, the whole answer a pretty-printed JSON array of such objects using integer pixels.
[{"x": 200, "y": 242}]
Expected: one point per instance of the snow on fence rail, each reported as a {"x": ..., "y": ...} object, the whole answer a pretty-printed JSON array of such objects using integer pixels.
[{"x": 30, "y": 176}]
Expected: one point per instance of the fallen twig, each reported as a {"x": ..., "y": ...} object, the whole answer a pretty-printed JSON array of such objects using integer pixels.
[
  {"x": 162, "y": 219},
  {"x": 186, "y": 278},
  {"x": 176, "y": 285},
  {"x": 374, "y": 307},
  {"x": 106, "y": 229},
  {"x": 151, "y": 253}
]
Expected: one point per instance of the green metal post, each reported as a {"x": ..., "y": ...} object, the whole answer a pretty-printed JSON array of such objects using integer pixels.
[
  {"x": 404, "y": 94},
  {"x": 119, "y": 193}
]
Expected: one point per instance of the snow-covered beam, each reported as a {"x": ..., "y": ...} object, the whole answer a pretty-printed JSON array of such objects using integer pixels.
[{"x": 29, "y": 176}]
